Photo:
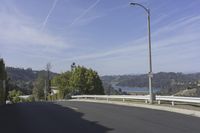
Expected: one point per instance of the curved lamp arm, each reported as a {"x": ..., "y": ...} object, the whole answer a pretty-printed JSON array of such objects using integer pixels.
[{"x": 137, "y": 4}]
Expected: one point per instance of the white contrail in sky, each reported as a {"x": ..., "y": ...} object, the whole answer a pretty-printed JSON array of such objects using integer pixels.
[
  {"x": 84, "y": 13},
  {"x": 49, "y": 13}
]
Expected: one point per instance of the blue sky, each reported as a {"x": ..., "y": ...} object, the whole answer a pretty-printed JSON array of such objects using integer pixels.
[{"x": 106, "y": 35}]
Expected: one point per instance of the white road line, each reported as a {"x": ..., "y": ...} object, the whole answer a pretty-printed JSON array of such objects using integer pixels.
[{"x": 74, "y": 108}]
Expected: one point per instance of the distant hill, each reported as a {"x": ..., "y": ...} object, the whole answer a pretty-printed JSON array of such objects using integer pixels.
[
  {"x": 168, "y": 82},
  {"x": 21, "y": 74},
  {"x": 22, "y": 79},
  {"x": 195, "y": 92}
]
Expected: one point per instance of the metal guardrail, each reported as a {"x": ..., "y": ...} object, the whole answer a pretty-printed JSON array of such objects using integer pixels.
[
  {"x": 108, "y": 97},
  {"x": 158, "y": 98},
  {"x": 174, "y": 99}
]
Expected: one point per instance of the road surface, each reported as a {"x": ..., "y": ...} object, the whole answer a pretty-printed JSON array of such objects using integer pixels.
[{"x": 83, "y": 117}]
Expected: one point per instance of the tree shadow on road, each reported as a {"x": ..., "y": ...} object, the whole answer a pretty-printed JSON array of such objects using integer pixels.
[{"x": 45, "y": 118}]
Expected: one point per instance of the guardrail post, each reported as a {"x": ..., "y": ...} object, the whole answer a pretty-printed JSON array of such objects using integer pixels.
[
  {"x": 173, "y": 103},
  {"x": 159, "y": 101},
  {"x": 123, "y": 99},
  {"x": 146, "y": 101}
]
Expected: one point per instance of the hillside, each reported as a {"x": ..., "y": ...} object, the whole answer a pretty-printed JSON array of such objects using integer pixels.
[
  {"x": 195, "y": 92},
  {"x": 22, "y": 79},
  {"x": 168, "y": 82}
]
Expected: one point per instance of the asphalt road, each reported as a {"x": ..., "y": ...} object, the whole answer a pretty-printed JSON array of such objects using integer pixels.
[{"x": 82, "y": 117}]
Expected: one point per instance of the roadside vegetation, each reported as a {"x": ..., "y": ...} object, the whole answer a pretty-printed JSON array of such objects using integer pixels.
[
  {"x": 14, "y": 97},
  {"x": 79, "y": 80},
  {"x": 15, "y": 82}
]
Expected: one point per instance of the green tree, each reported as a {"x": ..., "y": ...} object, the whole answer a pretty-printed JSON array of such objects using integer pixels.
[
  {"x": 39, "y": 86},
  {"x": 29, "y": 99},
  {"x": 13, "y": 96},
  {"x": 86, "y": 81},
  {"x": 62, "y": 82},
  {"x": 79, "y": 80},
  {"x": 93, "y": 83}
]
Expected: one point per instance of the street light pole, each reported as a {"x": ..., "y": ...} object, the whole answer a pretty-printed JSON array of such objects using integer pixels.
[{"x": 150, "y": 74}]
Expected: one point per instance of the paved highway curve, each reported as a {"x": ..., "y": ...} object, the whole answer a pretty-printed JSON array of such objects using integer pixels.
[{"x": 83, "y": 117}]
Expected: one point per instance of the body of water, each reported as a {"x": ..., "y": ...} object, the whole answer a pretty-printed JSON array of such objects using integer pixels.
[{"x": 134, "y": 89}]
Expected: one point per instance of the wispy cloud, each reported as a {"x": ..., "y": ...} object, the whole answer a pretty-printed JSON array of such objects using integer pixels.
[
  {"x": 18, "y": 29},
  {"x": 131, "y": 47},
  {"x": 86, "y": 11},
  {"x": 175, "y": 36},
  {"x": 49, "y": 13},
  {"x": 180, "y": 35}
]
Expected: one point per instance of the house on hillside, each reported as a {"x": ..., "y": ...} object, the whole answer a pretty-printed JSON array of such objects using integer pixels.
[{"x": 54, "y": 90}]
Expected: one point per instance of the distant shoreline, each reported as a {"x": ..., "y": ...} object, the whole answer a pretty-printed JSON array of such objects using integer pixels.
[{"x": 134, "y": 89}]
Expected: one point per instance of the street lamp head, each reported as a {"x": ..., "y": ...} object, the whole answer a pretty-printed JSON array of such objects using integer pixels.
[
  {"x": 137, "y": 4},
  {"x": 133, "y": 4}
]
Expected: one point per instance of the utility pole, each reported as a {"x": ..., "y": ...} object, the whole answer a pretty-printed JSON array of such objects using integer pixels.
[
  {"x": 47, "y": 81},
  {"x": 150, "y": 75},
  {"x": 4, "y": 90},
  {"x": 45, "y": 90}
]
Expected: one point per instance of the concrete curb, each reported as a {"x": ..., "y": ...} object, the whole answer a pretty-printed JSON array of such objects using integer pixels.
[{"x": 156, "y": 107}]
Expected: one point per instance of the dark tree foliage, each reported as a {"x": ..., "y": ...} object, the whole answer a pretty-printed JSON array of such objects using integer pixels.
[{"x": 3, "y": 80}]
